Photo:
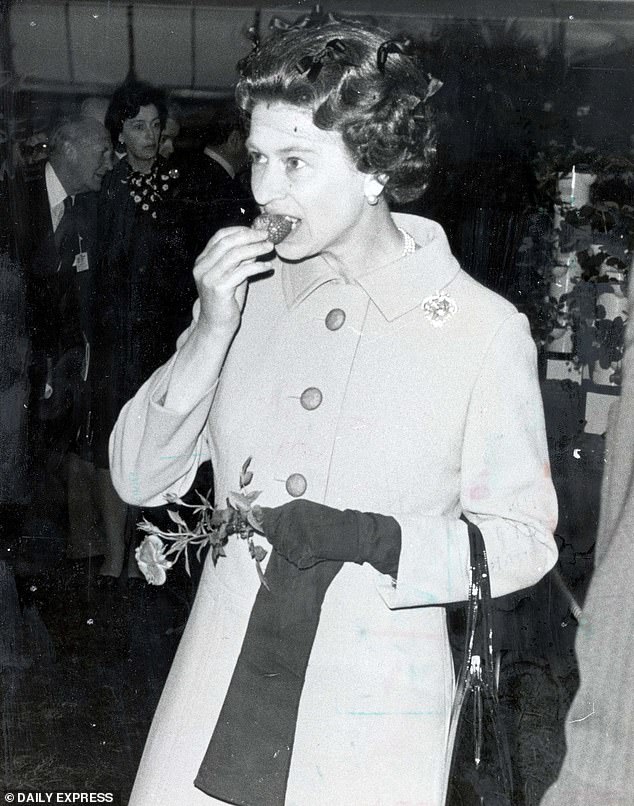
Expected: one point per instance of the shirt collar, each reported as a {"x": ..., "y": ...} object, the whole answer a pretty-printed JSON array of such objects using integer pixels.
[
  {"x": 395, "y": 288},
  {"x": 54, "y": 188},
  {"x": 221, "y": 161}
]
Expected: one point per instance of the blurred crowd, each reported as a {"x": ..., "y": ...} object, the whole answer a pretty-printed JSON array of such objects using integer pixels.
[{"x": 105, "y": 215}]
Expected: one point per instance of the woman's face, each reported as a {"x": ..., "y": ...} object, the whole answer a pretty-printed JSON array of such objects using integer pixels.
[
  {"x": 141, "y": 134},
  {"x": 304, "y": 172}
]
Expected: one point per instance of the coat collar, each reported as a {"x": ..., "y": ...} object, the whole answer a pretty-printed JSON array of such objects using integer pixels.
[{"x": 395, "y": 288}]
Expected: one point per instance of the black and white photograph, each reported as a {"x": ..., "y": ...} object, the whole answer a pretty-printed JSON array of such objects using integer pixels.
[{"x": 316, "y": 458}]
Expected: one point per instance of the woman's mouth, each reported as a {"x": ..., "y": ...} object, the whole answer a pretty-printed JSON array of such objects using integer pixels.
[{"x": 277, "y": 226}]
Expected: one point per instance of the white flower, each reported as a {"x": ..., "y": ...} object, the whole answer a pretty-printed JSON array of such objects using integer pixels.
[
  {"x": 137, "y": 198},
  {"x": 150, "y": 557},
  {"x": 145, "y": 206}
]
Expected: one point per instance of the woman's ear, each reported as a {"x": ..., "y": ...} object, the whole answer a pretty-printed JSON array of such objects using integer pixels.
[{"x": 373, "y": 186}]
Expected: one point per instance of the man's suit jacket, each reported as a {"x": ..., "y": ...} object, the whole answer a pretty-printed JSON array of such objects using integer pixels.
[
  {"x": 60, "y": 299},
  {"x": 212, "y": 199},
  {"x": 598, "y": 769}
]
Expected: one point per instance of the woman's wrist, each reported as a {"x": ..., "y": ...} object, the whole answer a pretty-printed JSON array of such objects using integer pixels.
[
  {"x": 205, "y": 352},
  {"x": 207, "y": 331}
]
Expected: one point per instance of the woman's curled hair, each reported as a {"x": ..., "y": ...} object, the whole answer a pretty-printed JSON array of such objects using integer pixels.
[
  {"x": 358, "y": 82},
  {"x": 126, "y": 102}
]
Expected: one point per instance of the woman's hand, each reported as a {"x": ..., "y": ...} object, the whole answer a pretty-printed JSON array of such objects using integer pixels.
[
  {"x": 221, "y": 272},
  {"x": 306, "y": 532}
]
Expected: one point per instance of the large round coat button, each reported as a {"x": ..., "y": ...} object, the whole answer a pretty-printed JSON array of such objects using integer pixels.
[
  {"x": 335, "y": 319},
  {"x": 296, "y": 485},
  {"x": 311, "y": 398}
]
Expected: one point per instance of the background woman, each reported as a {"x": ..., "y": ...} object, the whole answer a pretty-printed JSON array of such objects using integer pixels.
[
  {"x": 143, "y": 285},
  {"x": 382, "y": 393}
]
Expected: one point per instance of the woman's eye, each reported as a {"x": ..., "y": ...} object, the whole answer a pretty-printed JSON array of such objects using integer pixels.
[
  {"x": 294, "y": 163},
  {"x": 256, "y": 159}
]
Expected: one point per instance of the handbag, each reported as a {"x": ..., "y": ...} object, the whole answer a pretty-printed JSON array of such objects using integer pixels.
[{"x": 478, "y": 762}]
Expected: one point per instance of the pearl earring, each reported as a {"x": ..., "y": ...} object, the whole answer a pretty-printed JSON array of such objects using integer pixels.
[{"x": 372, "y": 199}]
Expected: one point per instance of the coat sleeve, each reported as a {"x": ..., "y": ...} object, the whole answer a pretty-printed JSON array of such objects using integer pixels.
[
  {"x": 153, "y": 450},
  {"x": 506, "y": 488}
]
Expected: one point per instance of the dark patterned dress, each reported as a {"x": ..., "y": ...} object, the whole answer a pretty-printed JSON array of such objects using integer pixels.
[{"x": 145, "y": 287}]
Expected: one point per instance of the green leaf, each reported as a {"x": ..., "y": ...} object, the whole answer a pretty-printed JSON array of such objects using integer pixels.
[
  {"x": 177, "y": 518},
  {"x": 150, "y": 528},
  {"x": 172, "y": 498},
  {"x": 245, "y": 474},
  {"x": 239, "y": 502},
  {"x": 261, "y": 575}
]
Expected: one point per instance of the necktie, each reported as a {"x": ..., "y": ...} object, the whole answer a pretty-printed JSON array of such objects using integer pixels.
[{"x": 66, "y": 239}]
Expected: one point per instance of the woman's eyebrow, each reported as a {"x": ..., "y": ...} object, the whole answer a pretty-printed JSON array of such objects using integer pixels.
[{"x": 303, "y": 149}]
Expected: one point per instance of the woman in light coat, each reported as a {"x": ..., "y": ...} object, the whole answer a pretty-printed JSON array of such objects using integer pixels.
[{"x": 382, "y": 393}]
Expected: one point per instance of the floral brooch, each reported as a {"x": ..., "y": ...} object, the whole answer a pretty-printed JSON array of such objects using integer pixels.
[{"x": 439, "y": 308}]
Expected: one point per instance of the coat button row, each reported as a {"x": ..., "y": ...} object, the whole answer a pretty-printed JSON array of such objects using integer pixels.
[
  {"x": 311, "y": 398},
  {"x": 335, "y": 319},
  {"x": 296, "y": 485}
]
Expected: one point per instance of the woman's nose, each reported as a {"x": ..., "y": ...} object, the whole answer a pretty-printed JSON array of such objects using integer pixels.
[{"x": 267, "y": 184}]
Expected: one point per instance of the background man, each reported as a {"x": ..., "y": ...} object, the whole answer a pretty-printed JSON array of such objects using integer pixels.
[
  {"x": 215, "y": 186},
  {"x": 55, "y": 221}
]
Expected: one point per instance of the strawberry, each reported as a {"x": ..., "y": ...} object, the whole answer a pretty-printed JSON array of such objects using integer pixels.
[{"x": 278, "y": 226}]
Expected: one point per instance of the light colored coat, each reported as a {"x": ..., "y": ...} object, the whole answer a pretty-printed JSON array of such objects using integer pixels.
[{"x": 416, "y": 421}]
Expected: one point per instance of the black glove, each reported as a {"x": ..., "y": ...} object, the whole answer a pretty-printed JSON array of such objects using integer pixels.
[{"x": 305, "y": 533}]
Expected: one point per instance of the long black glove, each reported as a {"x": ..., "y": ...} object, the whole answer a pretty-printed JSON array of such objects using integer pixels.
[{"x": 306, "y": 532}]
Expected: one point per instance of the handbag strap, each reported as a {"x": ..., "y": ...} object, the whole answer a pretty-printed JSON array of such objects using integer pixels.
[
  {"x": 480, "y": 676},
  {"x": 479, "y": 604}
]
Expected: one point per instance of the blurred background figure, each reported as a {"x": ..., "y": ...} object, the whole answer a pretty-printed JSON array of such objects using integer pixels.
[
  {"x": 31, "y": 152},
  {"x": 55, "y": 225},
  {"x": 215, "y": 182},
  {"x": 145, "y": 287},
  {"x": 14, "y": 393},
  {"x": 170, "y": 132},
  {"x": 599, "y": 762},
  {"x": 95, "y": 107}
]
